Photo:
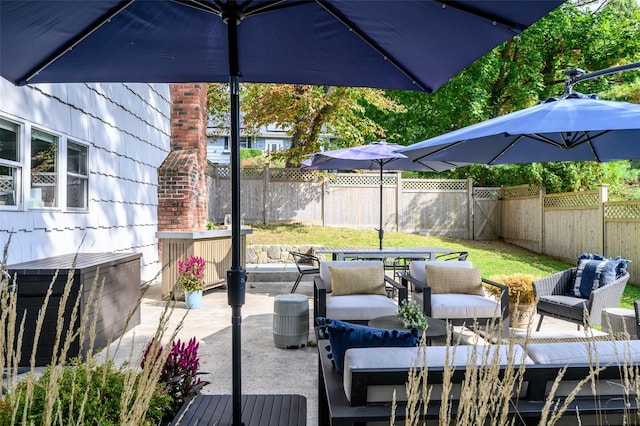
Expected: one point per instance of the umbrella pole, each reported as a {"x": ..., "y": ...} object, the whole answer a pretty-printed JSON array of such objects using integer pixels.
[
  {"x": 236, "y": 277},
  {"x": 380, "y": 230}
]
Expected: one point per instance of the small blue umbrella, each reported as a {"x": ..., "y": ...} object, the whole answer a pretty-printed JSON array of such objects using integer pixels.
[
  {"x": 573, "y": 128},
  {"x": 378, "y": 155}
]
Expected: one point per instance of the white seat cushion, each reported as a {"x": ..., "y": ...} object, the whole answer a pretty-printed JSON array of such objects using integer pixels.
[
  {"x": 359, "y": 306},
  {"x": 458, "y": 305}
]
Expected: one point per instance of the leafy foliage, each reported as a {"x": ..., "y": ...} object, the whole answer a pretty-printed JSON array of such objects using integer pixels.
[
  {"x": 180, "y": 371},
  {"x": 412, "y": 315},
  {"x": 88, "y": 393},
  {"x": 191, "y": 274},
  {"x": 520, "y": 287}
]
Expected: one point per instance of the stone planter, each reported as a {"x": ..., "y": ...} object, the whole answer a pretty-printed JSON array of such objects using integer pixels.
[{"x": 521, "y": 316}]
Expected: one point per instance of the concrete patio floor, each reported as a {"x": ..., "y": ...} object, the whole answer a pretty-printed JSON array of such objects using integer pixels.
[{"x": 265, "y": 368}]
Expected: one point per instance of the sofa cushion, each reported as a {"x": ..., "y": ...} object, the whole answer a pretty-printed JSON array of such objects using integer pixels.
[
  {"x": 456, "y": 306},
  {"x": 417, "y": 267},
  {"x": 358, "y": 307},
  {"x": 324, "y": 267},
  {"x": 588, "y": 352},
  {"x": 357, "y": 280},
  {"x": 443, "y": 279},
  {"x": 401, "y": 358},
  {"x": 345, "y": 335}
]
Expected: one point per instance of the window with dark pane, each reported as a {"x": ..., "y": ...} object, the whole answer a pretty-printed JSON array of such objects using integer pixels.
[
  {"x": 77, "y": 176},
  {"x": 44, "y": 169}
]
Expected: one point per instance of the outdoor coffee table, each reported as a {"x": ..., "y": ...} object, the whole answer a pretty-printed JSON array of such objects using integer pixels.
[{"x": 435, "y": 327}]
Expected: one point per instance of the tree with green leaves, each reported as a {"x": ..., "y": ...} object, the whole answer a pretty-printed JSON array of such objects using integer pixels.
[
  {"x": 306, "y": 113},
  {"x": 522, "y": 72}
]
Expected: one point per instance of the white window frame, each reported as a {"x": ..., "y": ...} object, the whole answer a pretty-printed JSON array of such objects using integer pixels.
[{"x": 17, "y": 165}]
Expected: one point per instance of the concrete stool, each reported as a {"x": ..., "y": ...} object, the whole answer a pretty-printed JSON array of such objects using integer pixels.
[
  {"x": 291, "y": 320},
  {"x": 614, "y": 318}
]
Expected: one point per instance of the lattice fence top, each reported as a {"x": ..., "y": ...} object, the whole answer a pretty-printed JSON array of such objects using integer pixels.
[
  {"x": 344, "y": 179},
  {"x": 486, "y": 193},
  {"x": 622, "y": 211},
  {"x": 522, "y": 191},
  {"x": 435, "y": 184},
  {"x": 293, "y": 175},
  {"x": 572, "y": 200}
]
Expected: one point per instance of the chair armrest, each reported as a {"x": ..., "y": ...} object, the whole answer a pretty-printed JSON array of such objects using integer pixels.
[
  {"x": 320, "y": 288},
  {"x": 402, "y": 290},
  {"x": 636, "y": 308},
  {"x": 558, "y": 283},
  {"x": 504, "y": 297},
  {"x": 607, "y": 296},
  {"x": 406, "y": 278}
]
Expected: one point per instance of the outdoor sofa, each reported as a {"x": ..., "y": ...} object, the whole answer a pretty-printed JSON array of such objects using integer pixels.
[{"x": 363, "y": 393}]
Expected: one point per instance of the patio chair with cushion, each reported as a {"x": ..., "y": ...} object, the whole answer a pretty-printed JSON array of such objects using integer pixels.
[
  {"x": 454, "y": 291},
  {"x": 573, "y": 295},
  {"x": 636, "y": 308},
  {"x": 354, "y": 291}
]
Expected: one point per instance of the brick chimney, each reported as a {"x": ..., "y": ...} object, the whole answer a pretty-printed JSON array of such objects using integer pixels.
[{"x": 182, "y": 187}]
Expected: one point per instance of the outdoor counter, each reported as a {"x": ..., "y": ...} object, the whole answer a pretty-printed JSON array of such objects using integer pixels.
[{"x": 213, "y": 246}]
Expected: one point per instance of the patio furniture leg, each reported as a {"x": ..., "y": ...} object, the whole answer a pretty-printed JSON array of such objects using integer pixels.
[
  {"x": 295, "y": 285},
  {"x": 539, "y": 322}
]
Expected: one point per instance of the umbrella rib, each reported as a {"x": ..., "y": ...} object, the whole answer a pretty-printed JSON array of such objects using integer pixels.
[
  {"x": 515, "y": 27},
  {"x": 504, "y": 151},
  {"x": 89, "y": 29},
  {"x": 387, "y": 57},
  {"x": 444, "y": 148}
]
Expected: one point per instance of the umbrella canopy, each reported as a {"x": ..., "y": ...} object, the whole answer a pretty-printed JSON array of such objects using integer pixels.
[
  {"x": 378, "y": 155},
  {"x": 573, "y": 128},
  {"x": 412, "y": 44}
]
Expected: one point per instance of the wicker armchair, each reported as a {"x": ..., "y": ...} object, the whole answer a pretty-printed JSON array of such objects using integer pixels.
[
  {"x": 636, "y": 308},
  {"x": 554, "y": 299}
]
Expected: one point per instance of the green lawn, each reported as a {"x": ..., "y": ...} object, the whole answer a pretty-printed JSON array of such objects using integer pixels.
[{"x": 492, "y": 257}]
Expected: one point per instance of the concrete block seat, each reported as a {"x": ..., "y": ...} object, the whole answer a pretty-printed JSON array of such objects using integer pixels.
[{"x": 357, "y": 306}]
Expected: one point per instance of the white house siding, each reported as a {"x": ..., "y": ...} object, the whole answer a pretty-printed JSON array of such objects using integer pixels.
[{"x": 127, "y": 130}]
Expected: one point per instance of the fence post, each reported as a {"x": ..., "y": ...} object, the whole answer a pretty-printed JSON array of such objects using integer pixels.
[
  {"x": 541, "y": 193},
  {"x": 323, "y": 200},
  {"x": 603, "y": 197},
  {"x": 266, "y": 204},
  {"x": 470, "y": 218}
]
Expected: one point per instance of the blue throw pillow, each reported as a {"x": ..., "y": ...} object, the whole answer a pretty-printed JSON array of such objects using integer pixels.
[
  {"x": 593, "y": 274},
  {"x": 621, "y": 266},
  {"x": 344, "y": 335}
]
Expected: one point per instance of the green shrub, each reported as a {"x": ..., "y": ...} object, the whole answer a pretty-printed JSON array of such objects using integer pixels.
[{"x": 82, "y": 393}]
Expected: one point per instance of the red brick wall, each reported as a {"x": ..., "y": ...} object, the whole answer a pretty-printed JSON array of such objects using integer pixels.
[{"x": 182, "y": 188}]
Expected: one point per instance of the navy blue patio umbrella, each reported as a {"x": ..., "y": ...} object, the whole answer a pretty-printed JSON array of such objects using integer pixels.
[
  {"x": 410, "y": 44},
  {"x": 574, "y": 127},
  {"x": 378, "y": 155}
]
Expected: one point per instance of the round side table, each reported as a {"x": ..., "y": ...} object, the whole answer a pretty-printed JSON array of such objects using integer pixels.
[{"x": 435, "y": 327}]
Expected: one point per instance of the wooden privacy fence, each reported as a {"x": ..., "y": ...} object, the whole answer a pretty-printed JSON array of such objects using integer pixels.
[
  {"x": 568, "y": 224},
  {"x": 558, "y": 225},
  {"x": 276, "y": 196}
]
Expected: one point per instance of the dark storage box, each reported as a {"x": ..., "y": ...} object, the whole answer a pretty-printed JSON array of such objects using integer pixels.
[{"x": 121, "y": 275}]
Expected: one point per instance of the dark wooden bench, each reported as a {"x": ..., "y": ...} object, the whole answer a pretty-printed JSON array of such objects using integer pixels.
[
  {"x": 335, "y": 409},
  {"x": 257, "y": 410}
]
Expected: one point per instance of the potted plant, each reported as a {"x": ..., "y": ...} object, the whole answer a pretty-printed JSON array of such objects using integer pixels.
[
  {"x": 191, "y": 280},
  {"x": 522, "y": 299},
  {"x": 412, "y": 315}
]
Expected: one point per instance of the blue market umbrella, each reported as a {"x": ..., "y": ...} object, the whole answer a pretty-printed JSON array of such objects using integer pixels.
[
  {"x": 378, "y": 155},
  {"x": 411, "y": 44},
  {"x": 574, "y": 127}
]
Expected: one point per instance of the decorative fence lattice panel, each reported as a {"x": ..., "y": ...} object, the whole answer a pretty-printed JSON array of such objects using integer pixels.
[
  {"x": 293, "y": 175},
  {"x": 574, "y": 200},
  {"x": 628, "y": 211},
  {"x": 486, "y": 193},
  {"x": 434, "y": 185},
  {"x": 521, "y": 191},
  {"x": 361, "y": 180}
]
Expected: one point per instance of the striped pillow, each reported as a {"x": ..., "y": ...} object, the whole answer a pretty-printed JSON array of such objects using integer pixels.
[{"x": 592, "y": 274}]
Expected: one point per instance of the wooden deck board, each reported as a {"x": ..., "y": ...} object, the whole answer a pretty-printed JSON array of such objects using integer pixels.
[{"x": 257, "y": 410}]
